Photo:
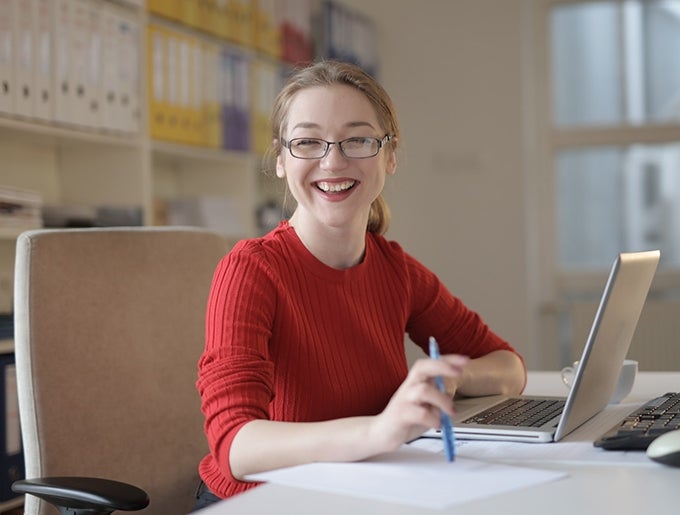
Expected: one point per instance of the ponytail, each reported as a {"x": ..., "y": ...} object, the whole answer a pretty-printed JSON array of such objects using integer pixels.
[{"x": 379, "y": 216}]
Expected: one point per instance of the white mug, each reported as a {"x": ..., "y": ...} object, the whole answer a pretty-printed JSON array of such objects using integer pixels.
[{"x": 624, "y": 384}]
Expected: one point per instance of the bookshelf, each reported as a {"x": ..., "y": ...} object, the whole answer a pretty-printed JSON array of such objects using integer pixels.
[
  {"x": 99, "y": 142},
  {"x": 122, "y": 163},
  {"x": 88, "y": 136}
]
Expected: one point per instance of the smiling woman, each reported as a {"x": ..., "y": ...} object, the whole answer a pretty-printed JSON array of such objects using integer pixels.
[
  {"x": 304, "y": 358},
  {"x": 380, "y": 105},
  {"x": 336, "y": 118}
]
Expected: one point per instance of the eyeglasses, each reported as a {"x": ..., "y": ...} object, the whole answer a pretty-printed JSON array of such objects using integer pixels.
[{"x": 351, "y": 148}]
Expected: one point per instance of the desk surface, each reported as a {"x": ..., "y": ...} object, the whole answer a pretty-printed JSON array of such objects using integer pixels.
[{"x": 621, "y": 487}]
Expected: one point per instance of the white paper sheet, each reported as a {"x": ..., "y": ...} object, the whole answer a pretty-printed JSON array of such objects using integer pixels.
[{"x": 412, "y": 476}]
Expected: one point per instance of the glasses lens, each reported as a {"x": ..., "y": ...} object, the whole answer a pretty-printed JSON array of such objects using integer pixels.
[
  {"x": 360, "y": 147},
  {"x": 307, "y": 148},
  {"x": 314, "y": 148}
]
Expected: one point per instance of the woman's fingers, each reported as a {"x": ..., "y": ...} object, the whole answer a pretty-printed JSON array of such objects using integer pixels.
[{"x": 417, "y": 404}]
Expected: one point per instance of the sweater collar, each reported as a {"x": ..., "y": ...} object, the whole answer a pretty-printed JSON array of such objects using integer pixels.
[{"x": 310, "y": 263}]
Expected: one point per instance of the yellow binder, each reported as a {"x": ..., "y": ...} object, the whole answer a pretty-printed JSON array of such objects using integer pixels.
[{"x": 166, "y": 8}]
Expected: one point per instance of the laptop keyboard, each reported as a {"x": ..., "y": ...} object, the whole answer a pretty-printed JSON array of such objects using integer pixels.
[
  {"x": 519, "y": 412},
  {"x": 643, "y": 425}
]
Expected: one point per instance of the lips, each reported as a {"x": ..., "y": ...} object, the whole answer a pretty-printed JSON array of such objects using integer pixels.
[{"x": 335, "y": 187}]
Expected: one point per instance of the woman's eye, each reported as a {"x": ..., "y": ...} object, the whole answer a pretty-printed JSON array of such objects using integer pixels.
[
  {"x": 357, "y": 142},
  {"x": 306, "y": 143}
]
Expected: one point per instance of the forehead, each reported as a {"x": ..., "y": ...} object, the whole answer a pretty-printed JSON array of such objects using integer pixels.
[{"x": 330, "y": 107}]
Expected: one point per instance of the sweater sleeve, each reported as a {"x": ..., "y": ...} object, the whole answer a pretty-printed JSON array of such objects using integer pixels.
[
  {"x": 435, "y": 311},
  {"x": 235, "y": 373}
]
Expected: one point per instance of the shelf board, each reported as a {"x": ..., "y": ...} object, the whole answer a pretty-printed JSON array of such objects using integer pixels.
[
  {"x": 12, "y": 233},
  {"x": 12, "y": 503},
  {"x": 51, "y": 133}
]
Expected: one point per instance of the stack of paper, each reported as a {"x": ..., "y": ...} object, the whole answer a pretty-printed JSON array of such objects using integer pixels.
[{"x": 19, "y": 209}]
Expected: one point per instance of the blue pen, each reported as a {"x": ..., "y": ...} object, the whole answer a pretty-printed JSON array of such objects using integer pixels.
[{"x": 447, "y": 426}]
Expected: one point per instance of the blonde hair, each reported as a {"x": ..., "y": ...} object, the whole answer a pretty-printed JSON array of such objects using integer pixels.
[{"x": 328, "y": 73}]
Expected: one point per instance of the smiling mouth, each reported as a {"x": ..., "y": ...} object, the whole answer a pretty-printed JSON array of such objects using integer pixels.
[{"x": 338, "y": 187}]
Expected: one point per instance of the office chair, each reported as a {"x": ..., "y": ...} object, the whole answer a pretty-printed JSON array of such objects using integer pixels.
[{"x": 109, "y": 326}]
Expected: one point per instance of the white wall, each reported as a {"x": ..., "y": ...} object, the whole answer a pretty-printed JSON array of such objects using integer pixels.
[{"x": 455, "y": 71}]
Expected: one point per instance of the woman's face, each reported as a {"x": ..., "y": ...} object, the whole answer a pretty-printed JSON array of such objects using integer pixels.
[{"x": 334, "y": 190}]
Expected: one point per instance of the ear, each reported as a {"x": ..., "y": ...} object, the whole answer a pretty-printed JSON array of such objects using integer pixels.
[
  {"x": 391, "y": 165},
  {"x": 280, "y": 169}
]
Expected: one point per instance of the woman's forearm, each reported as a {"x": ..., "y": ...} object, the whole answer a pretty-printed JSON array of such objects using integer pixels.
[
  {"x": 499, "y": 372},
  {"x": 263, "y": 445}
]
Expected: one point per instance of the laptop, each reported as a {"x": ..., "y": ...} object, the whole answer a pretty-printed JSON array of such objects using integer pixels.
[{"x": 551, "y": 418}]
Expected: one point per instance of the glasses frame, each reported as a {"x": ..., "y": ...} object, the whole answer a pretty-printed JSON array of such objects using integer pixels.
[{"x": 381, "y": 142}]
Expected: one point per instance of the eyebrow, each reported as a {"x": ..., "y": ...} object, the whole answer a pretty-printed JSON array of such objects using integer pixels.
[{"x": 310, "y": 125}]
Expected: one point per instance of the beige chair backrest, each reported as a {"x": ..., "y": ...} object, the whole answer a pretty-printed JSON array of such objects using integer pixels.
[{"x": 109, "y": 326}]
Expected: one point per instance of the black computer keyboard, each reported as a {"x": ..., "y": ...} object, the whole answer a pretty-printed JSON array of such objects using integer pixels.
[
  {"x": 642, "y": 426},
  {"x": 519, "y": 412}
]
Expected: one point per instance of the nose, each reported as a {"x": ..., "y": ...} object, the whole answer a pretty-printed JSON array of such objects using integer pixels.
[{"x": 334, "y": 158}]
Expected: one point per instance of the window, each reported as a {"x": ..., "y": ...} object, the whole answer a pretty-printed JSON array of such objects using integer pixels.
[
  {"x": 616, "y": 124},
  {"x": 618, "y": 198}
]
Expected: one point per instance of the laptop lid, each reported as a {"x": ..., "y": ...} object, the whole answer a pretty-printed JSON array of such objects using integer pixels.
[
  {"x": 610, "y": 337},
  {"x": 606, "y": 347}
]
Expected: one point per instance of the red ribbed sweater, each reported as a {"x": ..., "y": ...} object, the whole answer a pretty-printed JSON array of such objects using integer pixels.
[{"x": 289, "y": 338}]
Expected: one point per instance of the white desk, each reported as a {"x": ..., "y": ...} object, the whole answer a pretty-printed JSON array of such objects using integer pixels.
[{"x": 634, "y": 487}]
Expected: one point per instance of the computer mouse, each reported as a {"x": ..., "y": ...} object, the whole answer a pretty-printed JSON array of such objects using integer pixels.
[{"x": 666, "y": 449}]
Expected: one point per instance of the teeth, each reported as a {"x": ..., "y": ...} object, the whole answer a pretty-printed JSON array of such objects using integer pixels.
[{"x": 335, "y": 187}]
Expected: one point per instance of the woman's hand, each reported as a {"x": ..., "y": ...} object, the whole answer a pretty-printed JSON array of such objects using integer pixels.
[
  {"x": 415, "y": 406},
  {"x": 262, "y": 445}
]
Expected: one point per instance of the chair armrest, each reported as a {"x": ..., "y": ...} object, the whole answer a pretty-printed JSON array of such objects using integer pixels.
[{"x": 84, "y": 494}]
